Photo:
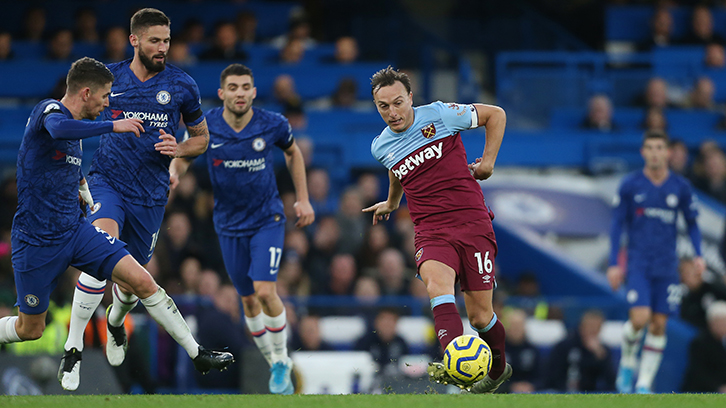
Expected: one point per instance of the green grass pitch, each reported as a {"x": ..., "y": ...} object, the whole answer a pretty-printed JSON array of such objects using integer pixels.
[{"x": 377, "y": 401}]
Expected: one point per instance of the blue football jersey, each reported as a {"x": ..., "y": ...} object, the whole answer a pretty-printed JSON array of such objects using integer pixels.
[
  {"x": 241, "y": 171},
  {"x": 48, "y": 174},
  {"x": 650, "y": 215},
  {"x": 131, "y": 165}
]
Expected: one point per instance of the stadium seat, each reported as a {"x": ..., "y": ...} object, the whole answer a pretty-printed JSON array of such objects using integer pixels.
[
  {"x": 342, "y": 331},
  {"x": 545, "y": 333},
  {"x": 612, "y": 333},
  {"x": 335, "y": 372},
  {"x": 416, "y": 331}
]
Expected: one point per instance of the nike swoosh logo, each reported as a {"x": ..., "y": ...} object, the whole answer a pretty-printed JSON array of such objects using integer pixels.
[
  {"x": 273, "y": 271},
  {"x": 117, "y": 94},
  {"x": 216, "y": 145}
]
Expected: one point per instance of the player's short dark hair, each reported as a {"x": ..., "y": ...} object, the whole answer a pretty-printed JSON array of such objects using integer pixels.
[
  {"x": 387, "y": 77},
  {"x": 87, "y": 72},
  {"x": 656, "y": 134},
  {"x": 237, "y": 70},
  {"x": 148, "y": 17}
]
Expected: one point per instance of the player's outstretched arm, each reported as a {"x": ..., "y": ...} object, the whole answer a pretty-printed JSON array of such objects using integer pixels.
[
  {"x": 381, "y": 211},
  {"x": 197, "y": 142},
  {"x": 494, "y": 119},
  {"x": 296, "y": 166},
  {"x": 128, "y": 125}
]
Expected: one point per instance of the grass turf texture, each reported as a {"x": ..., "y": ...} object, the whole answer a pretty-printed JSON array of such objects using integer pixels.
[{"x": 377, "y": 401}]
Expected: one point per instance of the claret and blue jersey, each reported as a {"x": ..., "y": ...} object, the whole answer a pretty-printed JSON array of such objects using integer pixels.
[
  {"x": 132, "y": 165},
  {"x": 240, "y": 168}
]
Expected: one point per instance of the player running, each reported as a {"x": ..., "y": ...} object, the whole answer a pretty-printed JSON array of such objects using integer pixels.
[
  {"x": 422, "y": 149},
  {"x": 49, "y": 230},
  {"x": 248, "y": 212},
  {"x": 130, "y": 176},
  {"x": 648, "y": 204}
]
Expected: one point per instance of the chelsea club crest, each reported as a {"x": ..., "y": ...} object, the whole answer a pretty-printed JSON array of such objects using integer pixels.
[
  {"x": 163, "y": 97},
  {"x": 259, "y": 144}
]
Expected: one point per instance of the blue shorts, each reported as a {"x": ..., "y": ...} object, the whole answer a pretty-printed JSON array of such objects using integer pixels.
[
  {"x": 658, "y": 289},
  {"x": 37, "y": 268},
  {"x": 254, "y": 257},
  {"x": 138, "y": 225}
]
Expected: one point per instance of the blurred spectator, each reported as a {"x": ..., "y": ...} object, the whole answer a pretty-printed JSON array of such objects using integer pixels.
[
  {"x": 678, "y": 159},
  {"x": 296, "y": 244},
  {"x": 299, "y": 30},
  {"x": 393, "y": 274},
  {"x": 176, "y": 245},
  {"x": 655, "y": 120},
  {"x": 193, "y": 32},
  {"x": 346, "y": 50},
  {"x": 324, "y": 203},
  {"x": 521, "y": 355},
  {"x": 284, "y": 93},
  {"x": 346, "y": 94},
  {"x": 701, "y": 97},
  {"x": 707, "y": 358},
  {"x": 117, "y": 45},
  {"x": 382, "y": 341},
  {"x": 700, "y": 294},
  {"x": 367, "y": 291},
  {"x": 292, "y": 279},
  {"x": 715, "y": 56},
  {"x": 351, "y": 220},
  {"x": 295, "y": 115},
  {"x": 85, "y": 26},
  {"x": 369, "y": 186},
  {"x": 224, "y": 46},
  {"x": 246, "y": 24},
  {"x": 6, "y": 46},
  {"x": 191, "y": 274},
  {"x": 712, "y": 180},
  {"x": 531, "y": 300},
  {"x": 581, "y": 363},
  {"x": 33, "y": 25},
  {"x": 180, "y": 54},
  {"x": 375, "y": 241},
  {"x": 292, "y": 52},
  {"x": 324, "y": 246},
  {"x": 307, "y": 337},
  {"x": 209, "y": 283},
  {"x": 655, "y": 95},
  {"x": 342, "y": 275},
  {"x": 702, "y": 27},
  {"x": 60, "y": 46},
  {"x": 661, "y": 30},
  {"x": 600, "y": 115}
]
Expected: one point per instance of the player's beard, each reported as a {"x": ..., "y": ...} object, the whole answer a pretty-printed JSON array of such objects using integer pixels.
[
  {"x": 150, "y": 64},
  {"x": 239, "y": 113}
]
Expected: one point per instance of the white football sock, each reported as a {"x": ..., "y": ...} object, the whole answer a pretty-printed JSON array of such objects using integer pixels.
[
  {"x": 122, "y": 304},
  {"x": 8, "y": 334},
  {"x": 277, "y": 330},
  {"x": 630, "y": 345},
  {"x": 260, "y": 335},
  {"x": 650, "y": 360},
  {"x": 163, "y": 309},
  {"x": 86, "y": 298}
]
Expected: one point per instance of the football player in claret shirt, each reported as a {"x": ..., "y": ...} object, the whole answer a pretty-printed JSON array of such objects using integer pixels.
[
  {"x": 130, "y": 178},
  {"x": 50, "y": 232},
  {"x": 425, "y": 157},
  {"x": 648, "y": 204},
  {"x": 248, "y": 213}
]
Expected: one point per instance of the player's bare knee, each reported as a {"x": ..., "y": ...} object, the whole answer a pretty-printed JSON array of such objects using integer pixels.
[
  {"x": 266, "y": 293},
  {"x": 482, "y": 319},
  {"x": 251, "y": 305},
  {"x": 144, "y": 286}
]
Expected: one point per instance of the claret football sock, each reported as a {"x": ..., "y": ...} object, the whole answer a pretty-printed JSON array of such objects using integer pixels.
[
  {"x": 123, "y": 303},
  {"x": 277, "y": 329},
  {"x": 256, "y": 326},
  {"x": 494, "y": 335},
  {"x": 8, "y": 334},
  {"x": 86, "y": 298},
  {"x": 163, "y": 309},
  {"x": 447, "y": 321}
]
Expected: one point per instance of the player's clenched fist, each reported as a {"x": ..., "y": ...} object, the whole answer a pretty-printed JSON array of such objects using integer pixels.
[{"x": 128, "y": 125}]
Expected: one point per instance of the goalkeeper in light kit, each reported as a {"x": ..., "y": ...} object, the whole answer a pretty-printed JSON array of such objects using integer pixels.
[
  {"x": 425, "y": 158},
  {"x": 648, "y": 204}
]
